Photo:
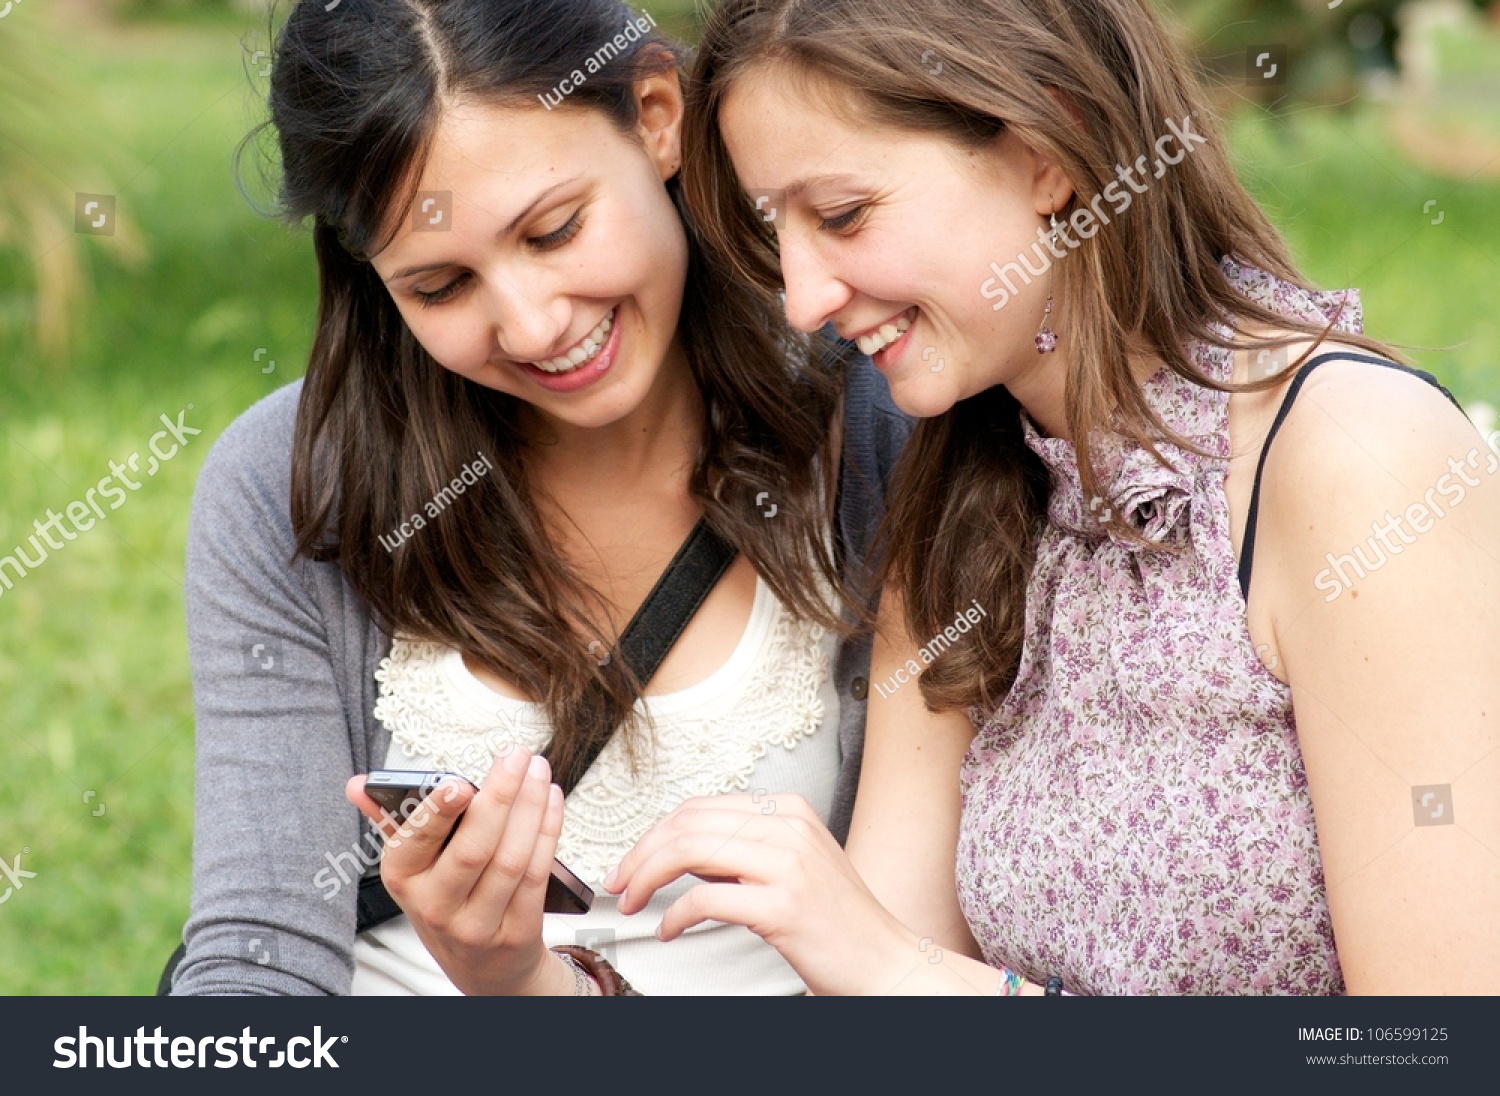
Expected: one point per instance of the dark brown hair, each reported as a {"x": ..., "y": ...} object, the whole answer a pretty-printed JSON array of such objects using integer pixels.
[
  {"x": 382, "y": 428},
  {"x": 1087, "y": 85}
]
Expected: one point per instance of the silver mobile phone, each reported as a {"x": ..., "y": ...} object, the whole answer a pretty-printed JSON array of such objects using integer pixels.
[{"x": 400, "y": 791}]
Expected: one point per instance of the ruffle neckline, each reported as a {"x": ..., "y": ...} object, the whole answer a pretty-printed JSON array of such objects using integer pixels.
[{"x": 1153, "y": 499}]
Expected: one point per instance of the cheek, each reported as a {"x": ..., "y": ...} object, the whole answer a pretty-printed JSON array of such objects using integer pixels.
[
  {"x": 454, "y": 335},
  {"x": 972, "y": 274},
  {"x": 643, "y": 250}
]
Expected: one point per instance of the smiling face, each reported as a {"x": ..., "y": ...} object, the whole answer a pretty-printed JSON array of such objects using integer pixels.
[
  {"x": 559, "y": 279},
  {"x": 889, "y": 235}
]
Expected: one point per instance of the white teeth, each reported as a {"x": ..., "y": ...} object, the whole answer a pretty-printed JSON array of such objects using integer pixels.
[
  {"x": 877, "y": 341},
  {"x": 584, "y": 352}
]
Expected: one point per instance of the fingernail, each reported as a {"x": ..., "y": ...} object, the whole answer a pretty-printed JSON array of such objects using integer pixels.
[
  {"x": 609, "y": 880},
  {"x": 515, "y": 761},
  {"x": 538, "y": 767}
]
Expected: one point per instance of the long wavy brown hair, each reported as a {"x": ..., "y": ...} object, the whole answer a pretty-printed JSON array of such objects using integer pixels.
[
  {"x": 382, "y": 428},
  {"x": 1088, "y": 85}
]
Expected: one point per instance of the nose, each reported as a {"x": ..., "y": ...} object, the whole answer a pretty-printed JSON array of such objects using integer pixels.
[
  {"x": 813, "y": 294},
  {"x": 528, "y": 318}
]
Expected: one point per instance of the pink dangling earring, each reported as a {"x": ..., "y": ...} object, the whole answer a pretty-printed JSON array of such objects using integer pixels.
[{"x": 1046, "y": 338}]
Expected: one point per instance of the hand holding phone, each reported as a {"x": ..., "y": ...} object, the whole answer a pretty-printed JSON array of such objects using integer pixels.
[
  {"x": 476, "y": 897},
  {"x": 401, "y": 791}
]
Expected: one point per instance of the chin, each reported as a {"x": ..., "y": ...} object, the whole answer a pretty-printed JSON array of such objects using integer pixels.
[
  {"x": 926, "y": 397},
  {"x": 605, "y": 408}
]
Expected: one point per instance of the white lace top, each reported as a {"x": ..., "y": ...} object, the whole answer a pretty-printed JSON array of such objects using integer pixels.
[{"x": 765, "y": 720}]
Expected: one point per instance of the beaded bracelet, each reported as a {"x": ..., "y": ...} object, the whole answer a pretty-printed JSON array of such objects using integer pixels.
[
  {"x": 583, "y": 983},
  {"x": 1010, "y": 983},
  {"x": 611, "y": 983}
]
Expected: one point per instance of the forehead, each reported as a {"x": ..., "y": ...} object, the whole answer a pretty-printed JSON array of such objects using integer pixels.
[
  {"x": 784, "y": 129},
  {"x": 486, "y": 162},
  {"x": 799, "y": 132},
  {"x": 782, "y": 99},
  {"x": 481, "y": 139}
]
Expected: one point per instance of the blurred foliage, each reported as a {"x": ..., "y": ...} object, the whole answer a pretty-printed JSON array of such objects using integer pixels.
[
  {"x": 1326, "y": 49},
  {"x": 93, "y": 655},
  {"x": 222, "y": 11},
  {"x": 50, "y": 149},
  {"x": 1447, "y": 112}
]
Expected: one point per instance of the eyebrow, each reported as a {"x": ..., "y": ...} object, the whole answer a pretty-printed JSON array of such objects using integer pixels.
[
  {"x": 796, "y": 188},
  {"x": 538, "y": 200}
]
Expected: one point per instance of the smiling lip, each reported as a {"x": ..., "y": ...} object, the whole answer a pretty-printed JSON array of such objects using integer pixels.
[
  {"x": 585, "y": 374},
  {"x": 884, "y": 359},
  {"x": 885, "y": 356}
]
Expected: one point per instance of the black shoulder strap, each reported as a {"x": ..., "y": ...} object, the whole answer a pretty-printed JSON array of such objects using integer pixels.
[
  {"x": 1247, "y": 551},
  {"x": 677, "y": 596},
  {"x": 683, "y": 587}
]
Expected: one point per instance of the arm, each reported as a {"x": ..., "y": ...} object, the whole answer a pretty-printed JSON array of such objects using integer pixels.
[
  {"x": 273, "y": 738},
  {"x": 771, "y": 865},
  {"x": 1394, "y": 680},
  {"x": 905, "y": 830}
]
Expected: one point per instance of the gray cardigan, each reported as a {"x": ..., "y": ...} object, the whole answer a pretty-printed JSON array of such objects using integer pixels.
[{"x": 283, "y": 659}]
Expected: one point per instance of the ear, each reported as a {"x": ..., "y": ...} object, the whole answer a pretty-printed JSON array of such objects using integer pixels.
[
  {"x": 1051, "y": 189},
  {"x": 659, "y": 109},
  {"x": 1030, "y": 175}
]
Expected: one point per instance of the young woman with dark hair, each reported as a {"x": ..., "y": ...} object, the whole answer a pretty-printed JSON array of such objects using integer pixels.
[
  {"x": 1159, "y": 776},
  {"x": 530, "y": 380}
]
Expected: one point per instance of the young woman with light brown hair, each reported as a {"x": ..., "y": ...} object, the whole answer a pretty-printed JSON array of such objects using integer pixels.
[
  {"x": 1162, "y": 771},
  {"x": 530, "y": 381}
]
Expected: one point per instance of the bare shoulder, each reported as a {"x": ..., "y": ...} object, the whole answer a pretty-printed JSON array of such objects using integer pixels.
[
  {"x": 1363, "y": 443},
  {"x": 1354, "y": 418},
  {"x": 1368, "y": 451},
  {"x": 1252, "y": 413}
]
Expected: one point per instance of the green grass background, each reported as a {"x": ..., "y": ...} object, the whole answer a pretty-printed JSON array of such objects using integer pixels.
[{"x": 94, "y": 685}]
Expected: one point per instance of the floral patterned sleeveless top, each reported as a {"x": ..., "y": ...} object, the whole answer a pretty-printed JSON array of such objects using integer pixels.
[{"x": 1136, "y": 817}]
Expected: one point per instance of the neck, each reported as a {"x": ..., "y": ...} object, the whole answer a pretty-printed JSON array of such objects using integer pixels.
[
  {"x": 657, "y": 439},
  {"x": 1042, "y": 388}
]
